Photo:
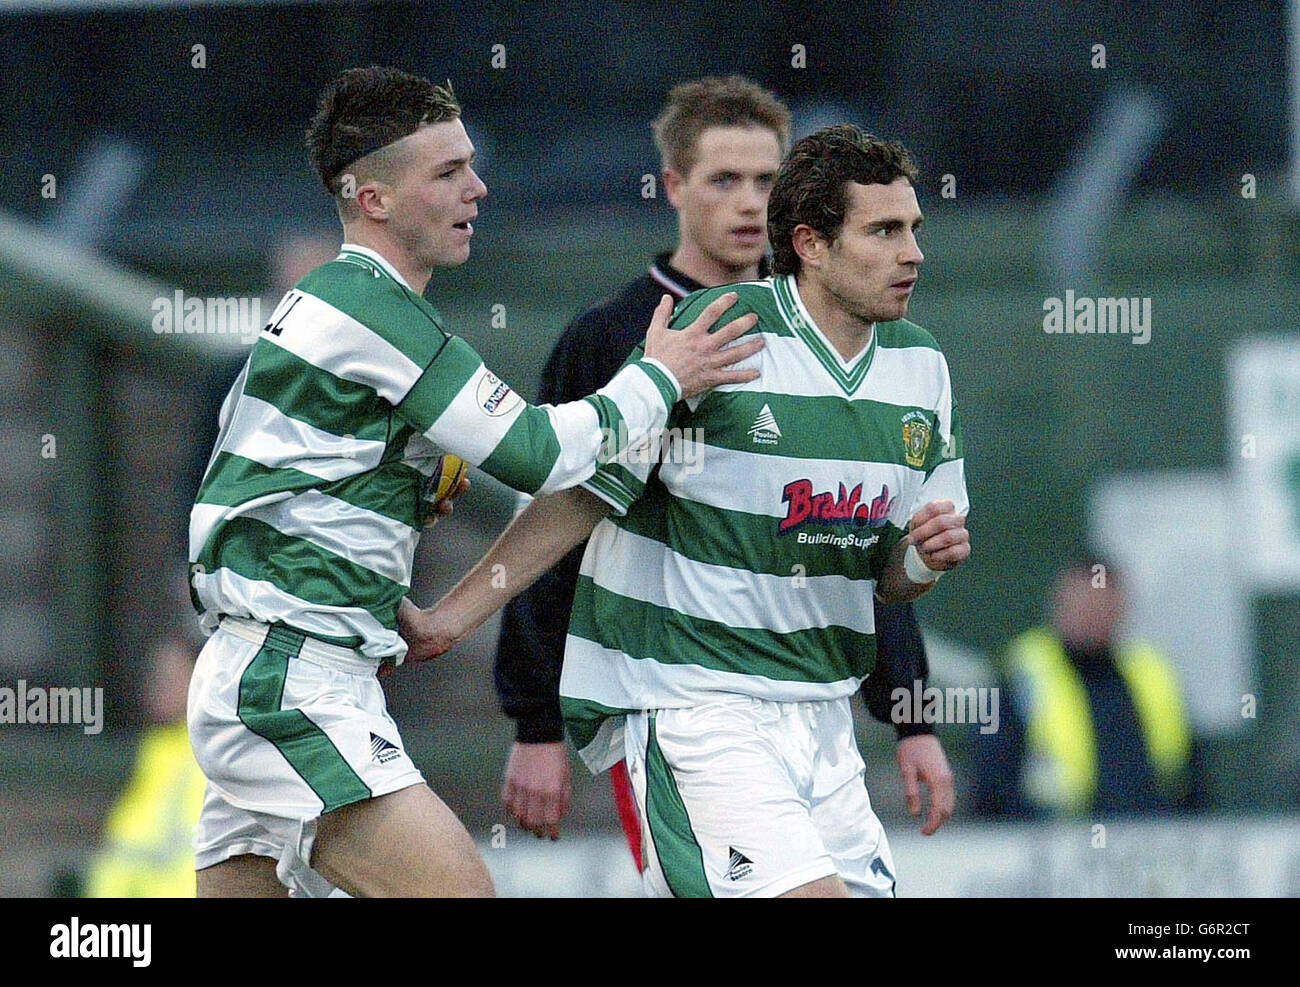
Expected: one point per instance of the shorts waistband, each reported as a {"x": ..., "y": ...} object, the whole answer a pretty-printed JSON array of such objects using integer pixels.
[{"x": 300, "y": 644}]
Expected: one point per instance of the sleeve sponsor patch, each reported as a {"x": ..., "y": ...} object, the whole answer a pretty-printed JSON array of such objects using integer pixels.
[{"x": 495, "y": 397}]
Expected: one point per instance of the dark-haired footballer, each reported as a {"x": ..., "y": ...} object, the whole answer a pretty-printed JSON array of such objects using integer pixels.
[
  {"x": 304, "y": 532},
  {"x": 721, "y": 623},
  {"x": 720, "y": 140}
]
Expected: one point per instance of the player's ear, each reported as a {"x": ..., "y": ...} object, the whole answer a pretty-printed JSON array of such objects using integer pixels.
[
  {"x": 808, "y": 244},
  {"x": 673, "y": 181},
  {"x": 374, "y": 200}
]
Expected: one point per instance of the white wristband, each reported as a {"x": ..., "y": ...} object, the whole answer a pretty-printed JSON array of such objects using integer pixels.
[{"x": 917, "y": 571}]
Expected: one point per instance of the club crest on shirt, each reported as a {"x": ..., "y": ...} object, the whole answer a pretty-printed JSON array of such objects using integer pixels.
[{"x": 916, "y": 438}]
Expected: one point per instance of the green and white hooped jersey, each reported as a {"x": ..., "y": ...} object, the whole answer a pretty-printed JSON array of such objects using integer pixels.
[
  {"x": 749, "y": 562},
  {"x": 311, "y": 505}
]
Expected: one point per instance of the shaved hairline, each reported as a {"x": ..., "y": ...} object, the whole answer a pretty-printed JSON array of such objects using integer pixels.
[{"x": 383, "y": 165}]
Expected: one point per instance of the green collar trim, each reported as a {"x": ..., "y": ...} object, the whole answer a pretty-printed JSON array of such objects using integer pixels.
[{"x": 796, "y": 317}]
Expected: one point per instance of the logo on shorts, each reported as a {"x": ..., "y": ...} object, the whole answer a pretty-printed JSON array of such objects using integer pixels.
[
  {"x": 382, "y": 751},
  {"x": 739, "y": 866}
]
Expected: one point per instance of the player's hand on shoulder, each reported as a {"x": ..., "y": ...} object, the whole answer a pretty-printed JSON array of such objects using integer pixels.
[
  {"x": 536, "y": 791},
  {"x": 700, "y": 359},
  {"x": 940, "y": 536}
]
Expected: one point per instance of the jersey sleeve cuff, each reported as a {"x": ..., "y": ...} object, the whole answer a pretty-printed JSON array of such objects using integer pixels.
[
  {"x": 611, "y": 490},
  {"x": 913, "y": 729},
  {"x": 543, "y": 726},
  {"x": 664, "y": 379}
]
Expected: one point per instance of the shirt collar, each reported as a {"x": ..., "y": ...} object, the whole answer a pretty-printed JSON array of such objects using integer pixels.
[
  {"x": 806, "y": 317},
  {"x": 678, "y": 284},
  {"x": 376, "y": 258}
]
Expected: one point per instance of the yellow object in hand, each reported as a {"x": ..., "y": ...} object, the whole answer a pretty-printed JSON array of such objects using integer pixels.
[{"x": 442, "y": 483}]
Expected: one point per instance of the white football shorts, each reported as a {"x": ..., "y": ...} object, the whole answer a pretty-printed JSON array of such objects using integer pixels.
[
  {"x": 286, "y": 728},
  {"x": 746, "y": 797}
]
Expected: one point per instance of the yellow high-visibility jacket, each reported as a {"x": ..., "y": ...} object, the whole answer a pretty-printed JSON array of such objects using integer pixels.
[
  {"x": 149, "y": 850},
  {"x": 1061, "y": 743}
]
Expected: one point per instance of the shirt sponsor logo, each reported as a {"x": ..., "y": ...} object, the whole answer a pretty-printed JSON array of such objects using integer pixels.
[
  {"x": 836, "y": 541},
  {"x": 494, "y": 395},
  {"x": 805, "y": 507}
]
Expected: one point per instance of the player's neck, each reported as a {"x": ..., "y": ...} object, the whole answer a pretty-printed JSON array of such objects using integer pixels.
[
  {"x": 848, "y": 333},
  {"x": 699, "y": 266},
  {"x": 412, "y": 272}
]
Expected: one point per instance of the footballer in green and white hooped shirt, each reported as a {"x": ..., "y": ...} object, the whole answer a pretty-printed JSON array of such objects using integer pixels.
[
  {"x": 303, "y": 534},
  {"x": 722, "y": 623},
  {"x": 725, "y": 682}
]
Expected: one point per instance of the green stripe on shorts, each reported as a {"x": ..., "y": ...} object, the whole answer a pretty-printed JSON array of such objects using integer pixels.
[
  {"x": 680, "y": 856},
  {"x": 304, "y": 745}
]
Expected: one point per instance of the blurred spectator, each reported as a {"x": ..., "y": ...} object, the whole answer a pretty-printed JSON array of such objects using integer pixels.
[
  {"x": 1092, "y": 724},
  {"x": 149, "y": 835}
]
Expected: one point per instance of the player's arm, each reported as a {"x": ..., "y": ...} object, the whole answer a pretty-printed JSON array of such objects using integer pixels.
[
  {"x": 533, "y": 542},
  {"x": 530, "y": 647},
  {"x": 530, "y": 652},
  {"x": 463, "y": 408},
  {"x": 539, "y": 536},
  {"x": 378, "y": 342},
  {"x": 536, "y": 788},
  {"x": 550, "y": 526},
  {"x": 537, "y": 784},
  {"x": 901, "y": 664}
]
